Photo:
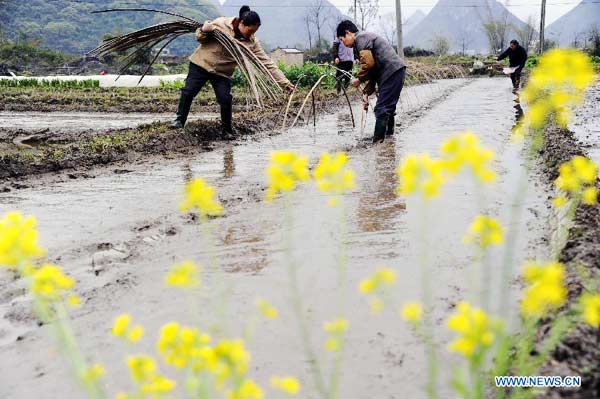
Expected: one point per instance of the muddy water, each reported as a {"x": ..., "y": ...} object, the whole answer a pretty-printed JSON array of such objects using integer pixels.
[
  {"x": 82, "y": 121},
  {"x": 586, "y": 123},
  {"x": 117, "y": 234}
]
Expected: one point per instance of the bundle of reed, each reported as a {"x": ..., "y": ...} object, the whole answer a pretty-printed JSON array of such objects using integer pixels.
[{"x": 261, "y": 82}]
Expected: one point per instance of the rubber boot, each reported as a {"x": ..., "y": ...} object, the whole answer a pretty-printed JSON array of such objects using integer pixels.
[
  {"x": 227, "y": 123},
  {"x": 183, "y": 110},
  {"x": 390, "y": 126},
  {"x": 381, "y": 125}
]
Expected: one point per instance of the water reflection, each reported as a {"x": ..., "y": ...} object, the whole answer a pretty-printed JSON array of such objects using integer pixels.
[
  {"x": 378, "y": 204},
  {"x": 246, "y": 249},
  {"x": 228, "y": 163},
  {"x": 188, "y": 174},
  {"x": 518, "y": 108}
]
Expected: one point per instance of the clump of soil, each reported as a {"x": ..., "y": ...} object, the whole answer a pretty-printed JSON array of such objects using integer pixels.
[{"x": 578, "y": 354}]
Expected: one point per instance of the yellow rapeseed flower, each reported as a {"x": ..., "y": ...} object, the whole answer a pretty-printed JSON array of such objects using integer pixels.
[
  {"x": 555, "y": 85},
  {"x": 412, "y": 312},
  {"x": 475, "y": 330},
  {"x": 590, "y": 196},
  {"x": 141, "y": 367},
  {"x": 287, "y": 384},
  {"x": 266, "y": 309},
  {"x": 248, "y": 389},
  {"x": 122, "y": 328},
  {"x": 231, "y": 357},
  {"x": 382, "y": 277},
  {"x": 420, "y": 174},
  {"x": 93, "y": 373},
  {"x": 591, "y": 309},
  {"x": 284, "y": 170},
  {"x": 559, "y": 201},
  {"x": 332, "y": 176},
  {"x": 200, "y": 197},
  {"x": 376, "y": 305},
  {"x": 546, "y": 288},
  {"x": 576, "y": 179},
  {"x": 335, "y": 330},
  {"x": 73, "y": 301},
  {"x": 463, "y": 150},
  {"x": 48, "y": 283},
  {"x": 183, "y": 275},
  {"x": 484, "y": 231},
  {"x": 156, "y": 386},
  {"x": 179, "y": 346},
  {"x": 18, "y": 240}
]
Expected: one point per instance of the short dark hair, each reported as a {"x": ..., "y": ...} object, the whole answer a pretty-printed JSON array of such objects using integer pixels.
[
  {"x": 514, "y": 42},
  {"x": 249, "y": 17},
  {"x": 345, "y": 26}
]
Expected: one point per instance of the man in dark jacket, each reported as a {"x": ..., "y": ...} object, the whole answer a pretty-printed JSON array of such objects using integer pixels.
[
  {"x": 517, "y": 57},
  {"x": 379, "y": 64}
]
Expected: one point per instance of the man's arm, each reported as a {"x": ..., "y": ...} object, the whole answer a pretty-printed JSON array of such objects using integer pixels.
[
  {"x": 367, "y": 64},
  {"x": 503, "y": 55},
  {"x": 201, "y": 36}
]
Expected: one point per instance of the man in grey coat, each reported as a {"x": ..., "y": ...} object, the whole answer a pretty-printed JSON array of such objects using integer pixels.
[{"x": 381, "y": 66}]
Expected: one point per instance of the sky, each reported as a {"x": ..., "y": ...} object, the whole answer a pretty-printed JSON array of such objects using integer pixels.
[{"x": 521, "y": 8}]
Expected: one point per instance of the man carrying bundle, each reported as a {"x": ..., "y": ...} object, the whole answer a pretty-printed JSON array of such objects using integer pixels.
[
  {"x": 381, "y": 66},
  {"x": 213, "y": 62}
]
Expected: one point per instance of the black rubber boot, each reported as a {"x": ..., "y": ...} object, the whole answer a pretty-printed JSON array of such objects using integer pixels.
[
  {"x": 390, "y": 126},
  {"x": 183, "y": 110},
  {"x": 381, "y": 125},
  {"x": 227, "y": 123}
]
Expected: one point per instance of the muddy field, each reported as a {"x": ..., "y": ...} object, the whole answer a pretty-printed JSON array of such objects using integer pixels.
[{"x": 116, "y": 229}]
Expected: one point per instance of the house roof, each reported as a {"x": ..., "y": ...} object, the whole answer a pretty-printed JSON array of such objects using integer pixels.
[{"x": 290, "y": 50}]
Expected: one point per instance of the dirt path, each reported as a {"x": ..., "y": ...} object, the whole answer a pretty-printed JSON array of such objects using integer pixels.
[{"x": 118, "y": 233}]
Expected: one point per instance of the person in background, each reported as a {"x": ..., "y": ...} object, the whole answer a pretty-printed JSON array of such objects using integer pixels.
[
  {"x": 343, "y": 58},
  {"x": 211, "y": 62},
  {"x": 517, "y": 57},
  {"x": 381, "y": 66}
]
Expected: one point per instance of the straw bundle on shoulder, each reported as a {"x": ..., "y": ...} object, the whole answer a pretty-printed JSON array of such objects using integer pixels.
[{"x": 260, "y": 80}]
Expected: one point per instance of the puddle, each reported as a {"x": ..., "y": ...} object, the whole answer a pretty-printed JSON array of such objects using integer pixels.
[{"x": 129, "y": 210}]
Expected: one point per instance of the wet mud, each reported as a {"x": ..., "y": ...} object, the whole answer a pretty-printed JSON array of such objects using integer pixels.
[
  {"x": 117, "y": 231},
  {"x": 579, "y": 352}
]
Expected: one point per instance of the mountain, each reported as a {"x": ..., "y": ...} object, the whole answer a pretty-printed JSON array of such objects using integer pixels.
[
  {"x": 412, "y": 21},
  {"x": 575, "y": 25},
  {"x": 69, "y": 26},
  {"x": 283, "y": 22},
  {"x": 461, "y": 22}
]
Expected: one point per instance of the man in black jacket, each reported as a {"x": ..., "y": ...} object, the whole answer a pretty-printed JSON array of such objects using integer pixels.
[{"x": 517, "y": 57}]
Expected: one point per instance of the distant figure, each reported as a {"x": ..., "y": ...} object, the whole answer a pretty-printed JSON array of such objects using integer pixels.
[
  {"x": 379, "y": 64},
  {"x": 344, "y": 61},
  {"x": 517, "y": 57},
  {"x": 102, "y": 72}
]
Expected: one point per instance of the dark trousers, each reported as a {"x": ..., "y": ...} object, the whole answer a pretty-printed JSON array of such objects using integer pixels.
[
  {"x": 342, "y": 74},
  {"x": 389, "y": 94},
  {"x": 195, "y": 81},
  {"x": 515, "y": 77}
]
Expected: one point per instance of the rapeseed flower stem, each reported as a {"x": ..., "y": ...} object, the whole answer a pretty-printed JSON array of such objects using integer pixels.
[{"x": 296, "y": 299}]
